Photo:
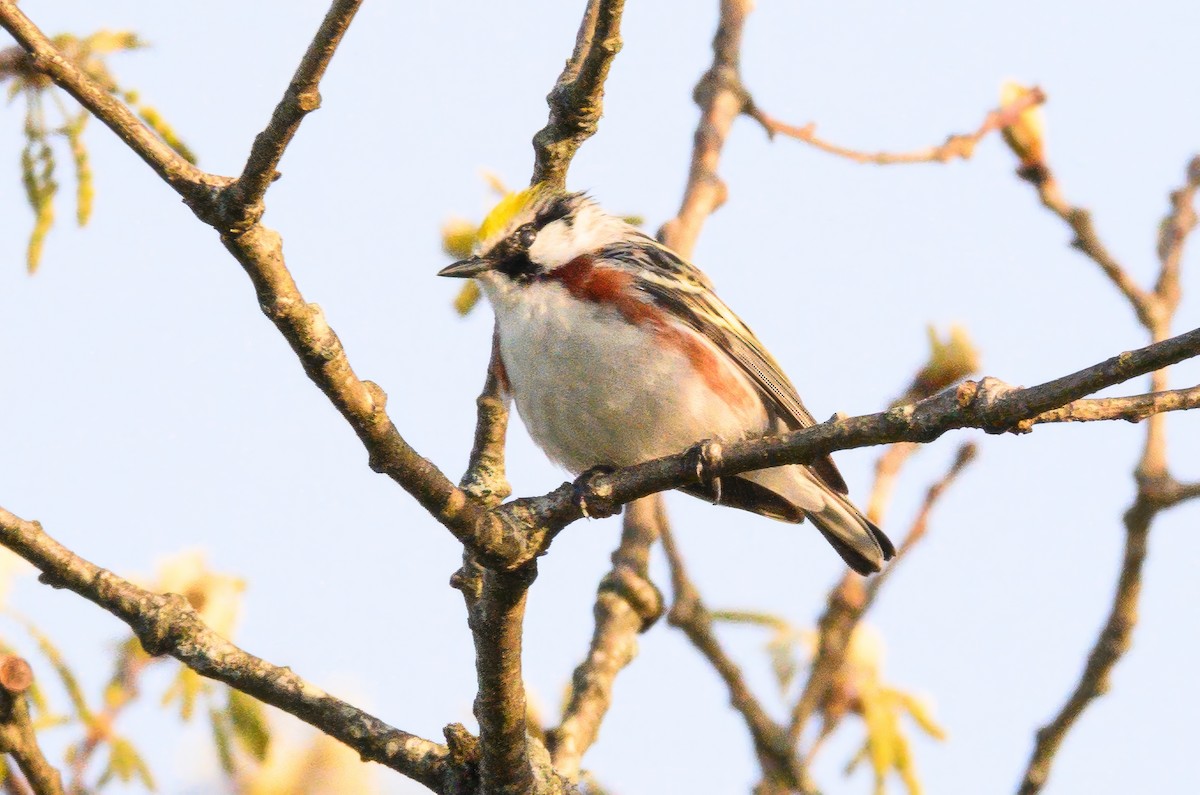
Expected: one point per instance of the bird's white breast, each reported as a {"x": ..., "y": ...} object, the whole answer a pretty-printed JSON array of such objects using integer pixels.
[{"x": 593, "y": 388}]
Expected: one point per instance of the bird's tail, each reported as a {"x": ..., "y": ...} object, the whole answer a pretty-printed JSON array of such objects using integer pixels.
[{"x": 861, "y": 544}]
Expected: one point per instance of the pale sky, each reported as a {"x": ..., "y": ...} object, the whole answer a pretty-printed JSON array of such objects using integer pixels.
[{"x": 151, "y": 408}]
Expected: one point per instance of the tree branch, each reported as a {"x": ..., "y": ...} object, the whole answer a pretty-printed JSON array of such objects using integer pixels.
[
  {"x": 955, "y": 146},
  {"x": 496, "y": 621},
  {"x": 1087, "y": 240},
  {"x": 1173, "y": 232},
  {"x": 627, "y": 604},
  {"x": 990, "y": 405},
  {"x": 722, "y": 98},
  {"x": 485, "y": 480},
  {"x": 577, "y": 98},
  {"x": 166, "y": 624},
  {"x": 260, "y": 252},
  {"x": 362, "y": 403},
  {"x": 1110, "y": 646},
  {"x": 185, "y": 178},
  {"x": 1134, "y": 408},
  {"x": 780, "y": 766},
  {"x": 301, "y": 98},
  {"x": 849, "y": 601},
  {"x": 17, "y": 736},
  {"x": 1157, "y": 489}
]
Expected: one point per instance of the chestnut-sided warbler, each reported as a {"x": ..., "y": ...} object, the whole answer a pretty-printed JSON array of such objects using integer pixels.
[{"x": 616, "y": 351}]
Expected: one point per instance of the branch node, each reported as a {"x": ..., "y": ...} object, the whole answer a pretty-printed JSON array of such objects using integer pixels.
[
  {"x": 641, "y": 594},
  {"x": 309, "y": 100},
  {"x": 158, "y": 629},
  {"x": 16, "y": 675},
  {"x": 464, "y": 746}
]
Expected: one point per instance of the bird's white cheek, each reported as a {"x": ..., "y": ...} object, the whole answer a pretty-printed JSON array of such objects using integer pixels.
[{"x": 554, "y": 247}]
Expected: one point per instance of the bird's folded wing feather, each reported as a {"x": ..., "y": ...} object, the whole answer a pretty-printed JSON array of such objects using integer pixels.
[{"x": 680, "y": 288}]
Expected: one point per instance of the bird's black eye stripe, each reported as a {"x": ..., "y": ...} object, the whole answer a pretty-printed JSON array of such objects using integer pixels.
[{"x": 512, "y": 257}]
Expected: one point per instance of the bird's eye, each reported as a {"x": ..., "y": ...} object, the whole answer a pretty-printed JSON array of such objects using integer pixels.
[{"x": 526, "y": 235}]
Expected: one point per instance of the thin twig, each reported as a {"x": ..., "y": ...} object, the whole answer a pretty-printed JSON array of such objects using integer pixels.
[
  {"x": 1157, "y": 490},
  {"x": 485, "y": 480},
  {"x": 848, "y": 603},
  {"x": 260, "y": 252},
  {"x": 301, "y": 98},
  {"x": 722, "y": 98},
  {"x": 1134, "y": 408},
  {"x": 1112, "y": 643},
  {"x": 17, "y": 736},
  {"x": 577, "y": 98},
  {"x": 988, "y": 404},
  {"x": 956, "y": 146},
  {"x": 99, "y": 729},
  {"x": 962, "y": 459},
  {"x": 168, "y": 625},
  {"x": 627, "y": 604},
  {"x": 1173, "y": 232},
  {"x": 780, "y": 765},
  {"x": 177, "y": 172},
  {"x": 12, "y": 783},
  {"x": 1144, "y": 303}
]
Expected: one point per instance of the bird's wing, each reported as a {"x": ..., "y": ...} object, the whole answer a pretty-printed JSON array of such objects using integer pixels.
[{"x": 680, "y": 288}]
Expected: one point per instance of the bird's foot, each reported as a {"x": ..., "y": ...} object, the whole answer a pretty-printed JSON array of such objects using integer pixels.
[
  {"x": 593, "y": 499},
  {"x": 706, "y": 456}
]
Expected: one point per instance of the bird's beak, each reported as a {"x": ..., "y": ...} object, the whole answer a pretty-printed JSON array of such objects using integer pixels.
[{"x": 466, "y": 268}]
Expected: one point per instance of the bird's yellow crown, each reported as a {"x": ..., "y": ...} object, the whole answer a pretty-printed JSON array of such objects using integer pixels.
[{"x": 508, "y": 208}]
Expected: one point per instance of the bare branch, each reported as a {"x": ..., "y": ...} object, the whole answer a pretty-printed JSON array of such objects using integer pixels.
[
  {"x": 780, "y": 765},
  {"x": 1112, "y": 643},
  {"x": 496, "y": 622},
  {"x": 361, "y": 403},
  {"x": 1157, "y": 489},
  {"x": 1134, "y": 408},
  {"x": 1174, "y": 492},
  {"x": 260, "y": 252},
  {"x": 577, "y": 99},
  {"x": 722, "y": 98},
  {"x": 962, "y": 459},
  {"x": 627, "y": 604},
  {"x": 956, "y": 146},
  {"x": 485, "y": 480},
  {"x": 989, "y": 404},
  {"x": 185, "y": 178},
  {"x": 848, "y": 603},
  {"x": 1087, "y": 240},
  {"x": 301, "y": 98},
  {"x": 166, "y": 624},
  {"x": 1173, "y": 232},
  {"x": 17, "y": 736},
  {"x": 12, "y": 783}
]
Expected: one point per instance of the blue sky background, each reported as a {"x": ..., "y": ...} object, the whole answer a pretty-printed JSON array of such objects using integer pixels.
[{"x": 149, "y": 407}]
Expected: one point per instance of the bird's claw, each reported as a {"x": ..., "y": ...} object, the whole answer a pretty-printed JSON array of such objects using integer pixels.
[
  {"x": 706, "y": 456},
  {"x": 593, "y": 499}
]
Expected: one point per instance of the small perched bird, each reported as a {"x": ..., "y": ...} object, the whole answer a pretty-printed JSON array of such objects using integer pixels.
[{"x": 617, "y": 351}]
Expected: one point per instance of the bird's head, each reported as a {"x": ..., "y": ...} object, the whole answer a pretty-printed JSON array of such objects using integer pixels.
[{"x": 531, "y": 234}]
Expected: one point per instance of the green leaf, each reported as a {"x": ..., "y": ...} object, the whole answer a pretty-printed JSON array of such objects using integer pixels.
[
  {"x": 187, "y": 687},
  {"x": 65, "y": 674},
  {"x": 249, "y": 723},
  {"x": 920, "y": 713},
  {"x": 222, "y": 739},
  {"x": 125, "y": 764}
]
